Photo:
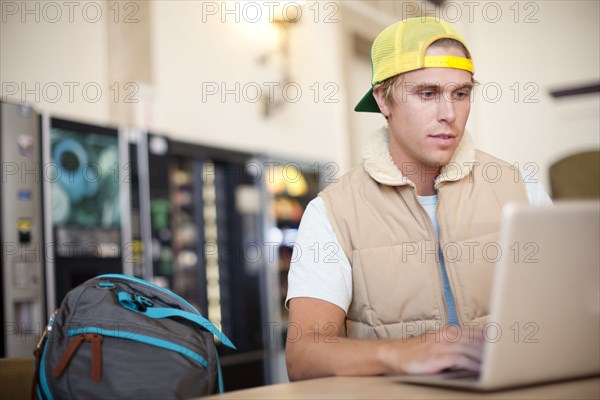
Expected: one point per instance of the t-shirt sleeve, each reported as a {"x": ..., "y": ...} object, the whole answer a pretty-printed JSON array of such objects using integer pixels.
[
  {"x": 319, "y": 268},
  {"x": 535, "y": 191}
]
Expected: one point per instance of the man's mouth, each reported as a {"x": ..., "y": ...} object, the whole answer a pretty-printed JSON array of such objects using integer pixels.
[
  {"x": 444, "y": 139},
  {"x": 443, "y": 136}
]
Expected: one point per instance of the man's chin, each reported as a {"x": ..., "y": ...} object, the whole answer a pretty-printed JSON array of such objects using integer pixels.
[{"x": 439, "y": 160}]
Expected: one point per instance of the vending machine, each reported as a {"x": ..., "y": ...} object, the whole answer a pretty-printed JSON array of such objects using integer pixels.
[
  {"x": 197, "y": 216},
  {"x": 86, "y": 187},
  {"x": 22, "y": 262},
  {"x": 218, "y": 254}
]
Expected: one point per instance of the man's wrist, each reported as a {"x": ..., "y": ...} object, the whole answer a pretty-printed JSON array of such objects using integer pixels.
[{"x": 387, "y": 354}]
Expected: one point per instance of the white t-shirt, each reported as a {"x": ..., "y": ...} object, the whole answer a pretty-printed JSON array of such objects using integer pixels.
[{"x": 319, "y": 267}]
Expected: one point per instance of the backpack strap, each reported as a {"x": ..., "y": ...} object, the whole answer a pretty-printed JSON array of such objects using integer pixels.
[
  {"x": 128, "y": 302},
  {"x": 219, "y": 373},
  {"x": 198, "y": 319},
  {"x": 96, "y": 341},
  {"x": 67, "y": 355}
]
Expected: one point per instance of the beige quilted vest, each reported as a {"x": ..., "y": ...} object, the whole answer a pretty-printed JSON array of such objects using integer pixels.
[{"x": 392, "y": 246}]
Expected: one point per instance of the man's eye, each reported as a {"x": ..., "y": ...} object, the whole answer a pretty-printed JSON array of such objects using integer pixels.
[
  {"x": 427, "y": 94},
  {"x": 461, "y": 94}
]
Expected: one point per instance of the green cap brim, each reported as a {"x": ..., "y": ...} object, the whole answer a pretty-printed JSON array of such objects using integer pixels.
[{"x": 368, "y": 103}]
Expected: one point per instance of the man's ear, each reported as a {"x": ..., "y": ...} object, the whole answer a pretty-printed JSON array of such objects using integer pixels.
[{"x": 379, "y": 98}]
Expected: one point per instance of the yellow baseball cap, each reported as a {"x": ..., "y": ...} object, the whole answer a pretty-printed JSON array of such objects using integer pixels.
[{"x": 401, "y": 48}]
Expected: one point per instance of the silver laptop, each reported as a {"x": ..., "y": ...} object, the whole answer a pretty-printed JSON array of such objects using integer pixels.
[{"x": 545, "y": 300}]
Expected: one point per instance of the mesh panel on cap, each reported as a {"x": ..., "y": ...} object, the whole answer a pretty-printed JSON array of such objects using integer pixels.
[
  {"x": 383, "y": 53},
  {"x": 416, "y": 34}
]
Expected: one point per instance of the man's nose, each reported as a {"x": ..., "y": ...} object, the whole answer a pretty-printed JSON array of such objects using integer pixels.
[{"x": 446, "y": 108}]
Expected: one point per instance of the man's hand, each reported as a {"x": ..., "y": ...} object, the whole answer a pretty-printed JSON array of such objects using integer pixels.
[
  {"x": 317, "y": 350},
  {"x": 453, "y": 347}
]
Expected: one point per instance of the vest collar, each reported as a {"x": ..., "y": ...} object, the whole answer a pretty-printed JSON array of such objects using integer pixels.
[{"x": 378, "y": 163}]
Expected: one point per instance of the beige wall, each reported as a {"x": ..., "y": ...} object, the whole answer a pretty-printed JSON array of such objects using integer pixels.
[
  {"x": 51, "y": 48},
  {"x": 194, "y": 59}
]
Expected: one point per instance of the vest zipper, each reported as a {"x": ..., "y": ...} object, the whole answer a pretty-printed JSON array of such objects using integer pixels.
[{"x": 439, "y": 221}]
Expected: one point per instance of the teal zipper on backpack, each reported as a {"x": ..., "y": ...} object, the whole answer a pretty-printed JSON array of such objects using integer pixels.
[
  {"x": 143, "y": 282},
  {"x": 149, "y": 340}
]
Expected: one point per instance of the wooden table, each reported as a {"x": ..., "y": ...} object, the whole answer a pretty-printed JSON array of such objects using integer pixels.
[{"x": 386, "y": 388}]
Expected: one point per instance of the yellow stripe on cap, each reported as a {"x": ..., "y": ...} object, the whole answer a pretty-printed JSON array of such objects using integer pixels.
[{"x": 448, "y": 62}]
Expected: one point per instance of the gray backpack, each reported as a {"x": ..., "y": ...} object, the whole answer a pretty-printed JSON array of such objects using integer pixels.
[{"x": 120, "y": 337}]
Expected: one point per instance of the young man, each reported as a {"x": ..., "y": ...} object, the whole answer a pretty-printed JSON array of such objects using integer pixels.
[{"x": 396, "y": 258}]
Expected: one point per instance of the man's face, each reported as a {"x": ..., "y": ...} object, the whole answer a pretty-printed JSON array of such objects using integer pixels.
[{"x": 431, "y": 109}]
